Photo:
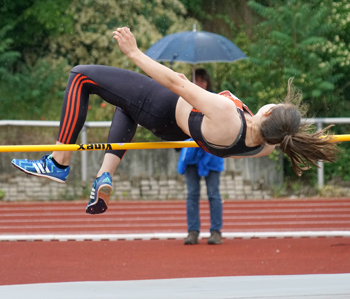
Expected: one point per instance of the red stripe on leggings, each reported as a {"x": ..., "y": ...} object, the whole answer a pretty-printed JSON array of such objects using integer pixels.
[
  {"x": 78, "y": 105},
  {"x": 71, "y": 107},
  {"x": 67, "y": 108}
]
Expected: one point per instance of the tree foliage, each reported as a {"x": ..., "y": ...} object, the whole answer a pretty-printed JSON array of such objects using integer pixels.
[
  {"x": 71, "y": 33},
  {"x": 291, "y": 42},
  {"x": 91, "y": 41},
  {"x": 33, "y": 21},
  {"x": 7, "y": 57}
]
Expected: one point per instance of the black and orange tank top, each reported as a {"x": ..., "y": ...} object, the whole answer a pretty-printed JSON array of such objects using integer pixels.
[{"x": 238, "y": 147}]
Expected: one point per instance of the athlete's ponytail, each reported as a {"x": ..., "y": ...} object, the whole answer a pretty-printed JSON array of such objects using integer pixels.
[{"x": 283, "y": 126}]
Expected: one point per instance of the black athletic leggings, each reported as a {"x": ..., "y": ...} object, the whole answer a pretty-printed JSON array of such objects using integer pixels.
[{"x": 138, "y": 100}]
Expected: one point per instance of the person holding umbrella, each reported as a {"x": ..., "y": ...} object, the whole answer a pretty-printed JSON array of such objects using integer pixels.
[
  {"x": 173, "y": 108},
  {"x": 195, "y": 163},
  {"x": 195, "y": 47}
]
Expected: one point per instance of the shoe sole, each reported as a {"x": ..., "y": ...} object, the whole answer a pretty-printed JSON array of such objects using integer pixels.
[
  {"x": 100, "y": 205},
  {"x": 214, "y": 243},
  {"x": 39, "y": 174},
  {"x": 190, "y": 243}
]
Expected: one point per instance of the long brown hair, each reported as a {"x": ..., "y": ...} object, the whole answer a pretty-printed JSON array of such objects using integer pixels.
[{"x": 284, "y": 126}]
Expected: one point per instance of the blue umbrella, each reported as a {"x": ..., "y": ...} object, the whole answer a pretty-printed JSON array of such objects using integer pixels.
[{"x": 195, "y": 47}]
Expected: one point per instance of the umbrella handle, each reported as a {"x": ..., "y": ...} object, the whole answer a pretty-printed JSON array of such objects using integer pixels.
[
  {"x": 194, "y": 73},
  {"x": 172, "y": 61},
  {"x": 194, "y": 65}
]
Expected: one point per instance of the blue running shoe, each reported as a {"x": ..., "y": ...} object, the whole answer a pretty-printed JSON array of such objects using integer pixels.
[
  {"x": 100, "y": 193},
  {"x": 44, "y": 168}
]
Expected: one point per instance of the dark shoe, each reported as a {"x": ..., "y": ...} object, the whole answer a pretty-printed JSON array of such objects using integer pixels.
[
  {"x": 215, "y": 238},
  {"x": 192, "y": 238}
]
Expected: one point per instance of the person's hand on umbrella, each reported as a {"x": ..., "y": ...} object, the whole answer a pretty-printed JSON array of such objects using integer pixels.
[{"x": 126, "y": 40}]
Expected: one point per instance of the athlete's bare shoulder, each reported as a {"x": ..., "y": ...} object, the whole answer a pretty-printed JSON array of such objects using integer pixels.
[{"x": 223, "y": 128}]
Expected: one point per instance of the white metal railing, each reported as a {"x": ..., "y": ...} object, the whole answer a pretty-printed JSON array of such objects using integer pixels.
[{"x": 103, "y": 124}]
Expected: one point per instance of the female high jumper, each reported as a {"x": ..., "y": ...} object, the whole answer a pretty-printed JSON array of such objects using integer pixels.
[{"x": 174, "y": 109}]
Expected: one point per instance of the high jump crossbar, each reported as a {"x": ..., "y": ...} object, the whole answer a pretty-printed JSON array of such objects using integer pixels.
[
  {"x": 96, "y": 146},
  {"x": 115, "y": 146}
]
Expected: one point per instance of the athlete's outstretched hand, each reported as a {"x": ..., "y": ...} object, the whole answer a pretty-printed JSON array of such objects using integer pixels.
[{"x": 126, "y": 40}]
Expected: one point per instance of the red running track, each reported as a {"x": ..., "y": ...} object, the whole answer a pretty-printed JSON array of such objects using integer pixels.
[
  {"x": 170, "y": 216},
  {"x": 41, "y": 262}
]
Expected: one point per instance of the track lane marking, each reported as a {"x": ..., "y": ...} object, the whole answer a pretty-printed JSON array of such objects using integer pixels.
[{"x": 161, "y": 236}]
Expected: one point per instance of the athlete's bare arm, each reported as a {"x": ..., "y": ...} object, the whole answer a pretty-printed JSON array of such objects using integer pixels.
[{"x": 218, "y": 109}]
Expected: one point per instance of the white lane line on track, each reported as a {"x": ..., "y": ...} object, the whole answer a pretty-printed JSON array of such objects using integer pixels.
[
  {"x": 172, "y": 230},
  {"x": 204, "y": 211},
  {"x": 164, "y": 236},
  {"x": 182, "y": 223},
  {"x": 84, "y": 218}
]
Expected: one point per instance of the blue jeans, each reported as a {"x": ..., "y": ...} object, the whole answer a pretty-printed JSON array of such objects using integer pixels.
[{"x": 193, "y": 194}]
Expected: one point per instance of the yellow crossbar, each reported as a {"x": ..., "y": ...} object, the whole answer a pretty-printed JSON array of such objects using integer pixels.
[
  {"x": 96, "y": 146},
  {"x": 341, "y": 138},
  {"x": 115, "y": 146}
]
